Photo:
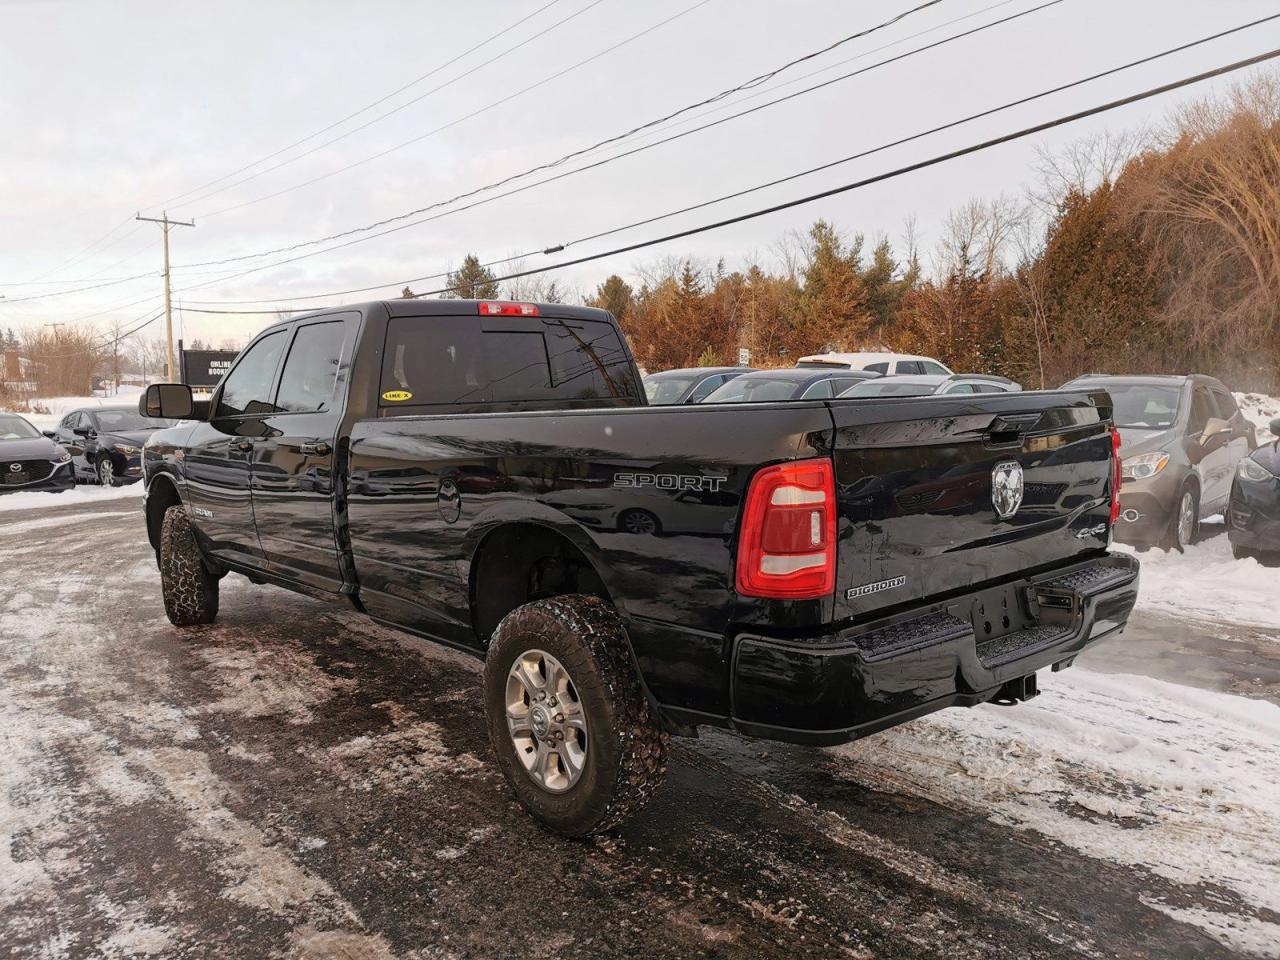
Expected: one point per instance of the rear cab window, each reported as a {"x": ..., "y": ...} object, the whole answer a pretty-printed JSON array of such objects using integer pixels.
[{"x": 475, "y": 361}]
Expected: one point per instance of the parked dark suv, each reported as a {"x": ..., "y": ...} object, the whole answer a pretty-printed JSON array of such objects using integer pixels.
[
  {"x": 106, "y": 443},
  {"x": 1181, "y": 438}
]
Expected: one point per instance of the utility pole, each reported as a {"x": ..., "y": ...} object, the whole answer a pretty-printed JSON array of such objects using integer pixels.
[{"x": 165, "y": 224}]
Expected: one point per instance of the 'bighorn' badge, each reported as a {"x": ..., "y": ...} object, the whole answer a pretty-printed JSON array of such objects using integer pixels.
[{"x": 1006, "y": 488}]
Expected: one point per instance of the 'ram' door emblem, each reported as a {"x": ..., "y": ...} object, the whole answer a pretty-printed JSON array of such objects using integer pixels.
[{"x": 1006, "y": 488}]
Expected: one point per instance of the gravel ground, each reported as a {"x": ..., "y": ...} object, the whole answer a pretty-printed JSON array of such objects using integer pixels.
[{"x": 296, "y": 782}]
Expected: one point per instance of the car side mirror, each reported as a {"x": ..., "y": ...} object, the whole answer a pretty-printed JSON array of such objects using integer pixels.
[
  {"x": 81, "y": 431},
  {"x": 51, "y": 434},
  {"x": 1275, "y": 427},
  {"x": 1213, "y": 429},
  {"x": 167, "y": 401}
]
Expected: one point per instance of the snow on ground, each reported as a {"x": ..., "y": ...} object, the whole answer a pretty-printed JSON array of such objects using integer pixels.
[
  {"x": 1177, "y": 780},
  {"x": 1208, "y": 583},
  {"x": 1261, "y": 409},
  {"x": 35, "y": 499}
]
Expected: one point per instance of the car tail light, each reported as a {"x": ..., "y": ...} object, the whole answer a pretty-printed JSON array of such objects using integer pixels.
[
  {"x": 787, "y": 547},
  {"x": 501, "y": 308},
  {"x": 1115, "y": 475}
]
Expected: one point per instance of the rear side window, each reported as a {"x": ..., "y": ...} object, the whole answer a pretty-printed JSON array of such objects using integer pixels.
[
  {"x": 1201, "y": 411},
  {"x": 247, "y": 388},
  {"x": 818, "y": 391},
  {"x": 934, "y": 368},
  {"x": 456, "y": 360},
  {"x": 964, "y": 388},
  {"x": 704, "y": 389},
  {"x": 912, "y": 367},
  {"x": 312, "y": 369}
]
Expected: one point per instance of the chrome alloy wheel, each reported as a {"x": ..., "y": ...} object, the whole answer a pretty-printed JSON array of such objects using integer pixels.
[
  {"x": 106, "y": 472},
  {"x": 1186, "y": 518},
  {"x": 546, "y": 721}
]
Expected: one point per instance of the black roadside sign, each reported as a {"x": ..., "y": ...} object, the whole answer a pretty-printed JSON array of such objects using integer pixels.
[{"x": 204, "y": 368}]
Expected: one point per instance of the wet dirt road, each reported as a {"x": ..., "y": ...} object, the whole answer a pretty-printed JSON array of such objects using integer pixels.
[{"x": 296, "y": 782}]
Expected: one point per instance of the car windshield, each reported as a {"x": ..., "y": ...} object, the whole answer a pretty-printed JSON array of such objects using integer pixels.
[
  {"x": 660, "y": 390},
  {"x": 116, "y": 420},
  {"x": 15, "y": 428},
  {"x": 756, "y": 390},
  {"x": 1142, "y": 406},
  {"x": 888, "y": 388}
]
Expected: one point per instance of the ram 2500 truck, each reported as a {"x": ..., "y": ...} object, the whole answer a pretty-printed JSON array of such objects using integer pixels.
[{"x": 488, "y": 475}]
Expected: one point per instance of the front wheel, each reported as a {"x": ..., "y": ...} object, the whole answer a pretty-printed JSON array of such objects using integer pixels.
[
  {"x": 572, "y": 730},
  {"x": 1184, "y": 525},
  {"x": 190, "y": 590},
  {"x": 106, "y": 472}
]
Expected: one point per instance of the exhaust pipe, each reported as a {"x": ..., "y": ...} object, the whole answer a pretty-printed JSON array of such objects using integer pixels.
[{"x": 1017, "y": 690}]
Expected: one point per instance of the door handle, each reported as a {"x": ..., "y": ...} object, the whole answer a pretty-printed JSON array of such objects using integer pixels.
[{"x": 314, "y": 448}]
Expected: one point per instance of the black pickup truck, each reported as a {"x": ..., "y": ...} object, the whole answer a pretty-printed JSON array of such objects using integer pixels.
[{"x": 488, "y": 475}]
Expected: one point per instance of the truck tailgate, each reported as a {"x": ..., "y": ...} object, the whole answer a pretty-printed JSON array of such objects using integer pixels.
[{"x": 921, "y": 484}]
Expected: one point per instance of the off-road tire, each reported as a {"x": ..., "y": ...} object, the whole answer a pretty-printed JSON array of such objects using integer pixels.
[
  {"x": 190, "y": 590},
  {"x": 1171, "y": 539},
  {"x": 627, "y": 748}
]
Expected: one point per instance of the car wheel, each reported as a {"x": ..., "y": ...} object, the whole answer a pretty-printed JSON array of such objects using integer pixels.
[
  {"x": 1241, "y": 553},
  {"x": 1184, "y": 524},
  {"x": 638, "y": 521},
  {"x": 573, "y": 733},
  {"x": 190, "y": 591},
  {"x": 107, "y": 472}
]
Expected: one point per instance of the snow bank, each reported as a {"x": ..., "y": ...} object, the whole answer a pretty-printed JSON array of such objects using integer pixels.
[
  {"x": 36, "y": 499},
  {"x": 1208, "y": 583},
  {"x": 59, "y": 407},
  {"x": 1261, "y": 409},
  {"x": 1136, "y": 771}
]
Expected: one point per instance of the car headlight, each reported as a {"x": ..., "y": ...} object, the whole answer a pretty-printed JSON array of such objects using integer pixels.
[
  {"x": 62, "y": 457},
  {"x": 126, "y": 450},
  {"x": 1253, "y": 470},
  {"x": 1143, "y": 466}
]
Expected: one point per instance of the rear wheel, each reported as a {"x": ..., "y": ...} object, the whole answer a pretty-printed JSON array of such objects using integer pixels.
[
  {"x": 572, "y": 730},
  {"x": 1184, "y": 525},
  {"x": 190, "y": 590}
]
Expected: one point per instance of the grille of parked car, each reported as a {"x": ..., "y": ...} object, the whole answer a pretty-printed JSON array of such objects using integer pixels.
[{"x": 24, "y": 471}]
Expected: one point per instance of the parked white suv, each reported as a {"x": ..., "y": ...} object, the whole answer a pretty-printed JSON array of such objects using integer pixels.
[{"x": 889, "y": 364}]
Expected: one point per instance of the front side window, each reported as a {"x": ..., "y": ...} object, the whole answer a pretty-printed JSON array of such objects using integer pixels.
[
  {"x": 663, "y": 391},
  {"x": 818, "y": 391},
  {"x": 1201, "y": 411},
  {"x": 114, "y": 421},
  {"x": 962, "y": 388},
  {"x": 934, "y": 368},
  {"x": 909, "y": 367},
  {"x": 247, "y": 388},
  {"x": 1226, "y": 404},
  {"x": 314, "y": 368},
  {"x": 704, "y": 389},
  {"x": 877, "y": 367}
]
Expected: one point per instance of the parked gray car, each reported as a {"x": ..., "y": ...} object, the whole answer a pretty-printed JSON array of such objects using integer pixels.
[{"x": 1180, "y": 441}]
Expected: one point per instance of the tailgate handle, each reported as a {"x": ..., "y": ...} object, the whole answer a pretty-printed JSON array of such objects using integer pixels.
[{"x": 1007, "y": 429}]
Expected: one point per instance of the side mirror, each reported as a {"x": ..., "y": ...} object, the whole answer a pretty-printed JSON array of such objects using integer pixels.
[
  {"x": 167, "y": 401},
  {"x": 1215, "y": 427},
  {"x": 81, "y": 431},
  {"x": 51, "y": 434},
  {"x": 1275, "y": 427}
]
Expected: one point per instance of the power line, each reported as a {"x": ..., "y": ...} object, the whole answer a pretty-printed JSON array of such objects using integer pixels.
[
  {"x": 475, "y": 113},
  {"x": 395, "y": 110},
  {"x": 369, "y": 106},
  {"x": 67, "y": 293},
  {"x": 745, "y": 85},
  {"x": 858, "y": 184}
]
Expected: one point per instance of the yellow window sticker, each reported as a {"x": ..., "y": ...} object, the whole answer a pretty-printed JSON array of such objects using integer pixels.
[{"x": 397, "y": 396}]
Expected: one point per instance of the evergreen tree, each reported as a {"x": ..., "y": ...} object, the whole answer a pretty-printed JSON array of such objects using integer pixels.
[
  {"x": 614, "y": 295},
  {"x": 472, "y": 281}
]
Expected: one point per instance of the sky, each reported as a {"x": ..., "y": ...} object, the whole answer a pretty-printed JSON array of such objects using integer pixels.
[{"x": 215, "y": 112}]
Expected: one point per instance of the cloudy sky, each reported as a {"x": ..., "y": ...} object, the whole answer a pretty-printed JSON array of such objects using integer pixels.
[{"x": 215, "y": 111}]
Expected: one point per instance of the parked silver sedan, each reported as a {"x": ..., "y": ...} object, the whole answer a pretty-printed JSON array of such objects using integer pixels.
[{"x": 927, "y": 385}]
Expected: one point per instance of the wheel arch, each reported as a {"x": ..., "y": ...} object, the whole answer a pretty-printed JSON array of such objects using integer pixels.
[{"x": 162, "y": 493}]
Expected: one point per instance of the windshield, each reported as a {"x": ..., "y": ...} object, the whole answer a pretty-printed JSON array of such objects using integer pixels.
[
  {"x": 756, "y": 390},
  {"x": 666, "y": 390},
  {"x": 887, "y": 388},
  {"x": 1142, "y": 406},
  {"x": 15, "y": 428},
  {"x": 114, "y": 421}
]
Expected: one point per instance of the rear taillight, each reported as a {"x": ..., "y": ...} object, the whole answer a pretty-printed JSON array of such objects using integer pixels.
[
  {"x": 1115, "y": 475},
  {"x": 504, "y": 308},
  {"x": 787, "y": 547}
]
